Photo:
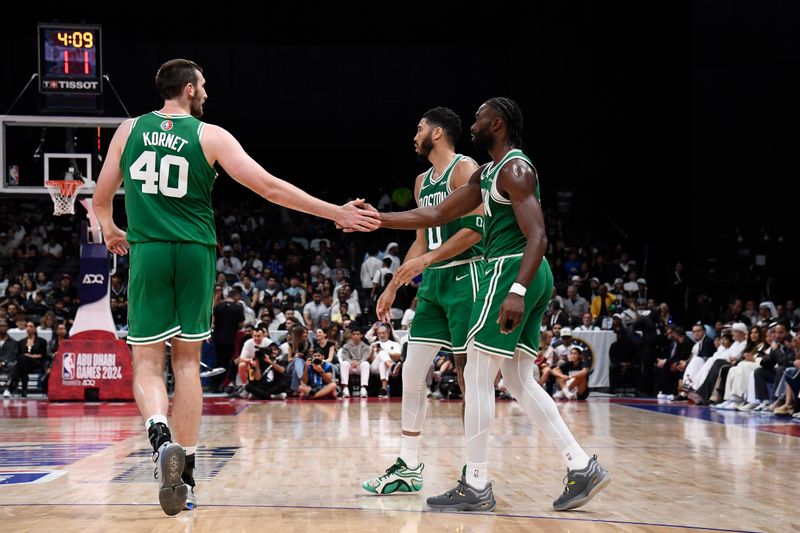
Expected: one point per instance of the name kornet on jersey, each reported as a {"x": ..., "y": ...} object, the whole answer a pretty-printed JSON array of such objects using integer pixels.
[{"x": 163, "y": 139}]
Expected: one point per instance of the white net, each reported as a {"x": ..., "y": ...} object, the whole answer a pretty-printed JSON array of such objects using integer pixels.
[{"x": 63, "y": 194}]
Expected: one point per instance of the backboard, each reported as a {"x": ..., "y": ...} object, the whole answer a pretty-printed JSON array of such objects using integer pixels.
[{"x": 34, "y": 149}]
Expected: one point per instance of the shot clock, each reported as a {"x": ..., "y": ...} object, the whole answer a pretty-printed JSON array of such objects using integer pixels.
[{"x": 70, "y": 59}]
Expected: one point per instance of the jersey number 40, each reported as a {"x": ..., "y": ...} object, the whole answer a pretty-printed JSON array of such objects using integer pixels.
[{"x": 144, "y": 169}]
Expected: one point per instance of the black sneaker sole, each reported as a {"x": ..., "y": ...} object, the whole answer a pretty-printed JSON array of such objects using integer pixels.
[
  {"x": 583, "y": 500},
  {"x": 484, "y": 507},
  {"x": 173, "y": 492}
]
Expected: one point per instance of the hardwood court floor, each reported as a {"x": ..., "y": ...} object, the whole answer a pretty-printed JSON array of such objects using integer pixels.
[{"x": 292, "y": 466}]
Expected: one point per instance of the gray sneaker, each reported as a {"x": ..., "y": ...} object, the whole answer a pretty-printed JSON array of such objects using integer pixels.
[
  {"x": 169, "y": 460},
  {"x": 464, "y": 498},
  {"x": 580, "y": 486}
]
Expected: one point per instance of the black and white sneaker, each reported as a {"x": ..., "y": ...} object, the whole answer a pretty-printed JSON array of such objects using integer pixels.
[
  {"x": 580, "y": 486},
  {"x": 169, "y": 461},
  {"x": 188, "y": 479},
  {"x": 464, "y": 498}
]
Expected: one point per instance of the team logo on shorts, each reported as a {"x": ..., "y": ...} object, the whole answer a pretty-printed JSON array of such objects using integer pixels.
[{"x": 166, "y": 125}]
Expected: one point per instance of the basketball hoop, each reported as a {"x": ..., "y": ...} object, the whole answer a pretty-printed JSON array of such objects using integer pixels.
[{"x": 63, "y": 193}]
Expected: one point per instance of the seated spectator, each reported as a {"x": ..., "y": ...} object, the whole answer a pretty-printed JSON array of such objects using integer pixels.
[
  {"x": 587, "y": 323},
  {"x": 562, "y": 350},
  {"x": 31, "y": 357},
  {"x": 267, "y": 377},
  {"x": 385, "y": 351},
  {"x": 245, "y": 362},
  {"x": 575, "y": 306},
  {"x": 792, "y": 387},
  {"x": 355, "y": 360},
  {"x": 324, "y": 347},
  {"x": 670, "y": 368},
  {"x": 545, "y": 359},
  {"x": 8, "y": 354},
  {"x": 572, "y": 377},
  {"x": 603, "y": 304},
  {"x": 408, "y": 315},
  {"x": 317, "y": 380}
]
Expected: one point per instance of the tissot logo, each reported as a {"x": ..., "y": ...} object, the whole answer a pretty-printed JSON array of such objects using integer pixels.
[
  {"x": 70, "y": 84},
  {"x": 91, "y": 279}
]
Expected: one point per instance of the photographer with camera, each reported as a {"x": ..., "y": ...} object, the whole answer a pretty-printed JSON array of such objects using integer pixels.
[
  {"x": 317, "y": 381},
  {"x": 267, "y": 377},
  {"x": 246, "y": 359}
]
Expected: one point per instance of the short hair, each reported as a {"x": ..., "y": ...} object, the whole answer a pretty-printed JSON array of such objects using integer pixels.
[
  {"x": 173, "y": 76},
  {"x": 387, "y": 261},
  {"x": 511, "y": 113},
  {"x": 258, "y": 328},
  {"x": 446, "y": 119},
  {"x": 680, "y": 331}
]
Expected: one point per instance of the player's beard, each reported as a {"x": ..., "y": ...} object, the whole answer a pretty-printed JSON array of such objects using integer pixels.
[
  {"x": 196, "y": 106},
  {"x": 483, "y": 139},
  {"x": 425, "y": 148}
]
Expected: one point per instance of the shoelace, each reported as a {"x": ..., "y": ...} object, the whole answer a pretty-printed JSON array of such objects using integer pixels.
[
  {"x": 566, "y": 483},
  {"x": 389, "y": 471},
  {"x": 459, "y": 489}
]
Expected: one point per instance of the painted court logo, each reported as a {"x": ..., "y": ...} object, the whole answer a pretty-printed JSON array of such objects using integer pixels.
[{"x": 166, "y": 125}]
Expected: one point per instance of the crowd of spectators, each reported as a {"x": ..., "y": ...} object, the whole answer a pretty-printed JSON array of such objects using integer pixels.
[{"x": 294, "y": 315}]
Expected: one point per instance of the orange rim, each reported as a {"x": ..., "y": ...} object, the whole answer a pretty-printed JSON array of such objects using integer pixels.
[{"x": 66, "y": 187}]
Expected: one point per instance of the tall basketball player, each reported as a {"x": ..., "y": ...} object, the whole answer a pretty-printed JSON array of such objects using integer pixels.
[
  {"x": 166, "y": 159},
  {"x": 514, "y": 293},
  {"x": 451, "y": 258}
]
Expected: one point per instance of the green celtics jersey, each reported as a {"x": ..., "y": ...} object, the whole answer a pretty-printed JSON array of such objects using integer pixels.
[
  {"x": 502, "y": 234},
  {"x": 168, "y": 181},
  {"x": 433, "y": 192}
]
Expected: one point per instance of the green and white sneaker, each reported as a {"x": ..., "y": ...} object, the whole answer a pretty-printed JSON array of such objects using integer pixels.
[
  {"x": 580, "y": 486},
  {"x": 398, "y": 478}
]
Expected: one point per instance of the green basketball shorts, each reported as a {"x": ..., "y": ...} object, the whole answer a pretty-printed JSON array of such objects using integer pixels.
[
  {"x": 170, "y": 291},
  {"x": 444, "y": 302},
  {"x": 496, "y": 281}
]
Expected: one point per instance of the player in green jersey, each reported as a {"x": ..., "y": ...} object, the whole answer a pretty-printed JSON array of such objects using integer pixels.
[
  {"x": 506, "y": 318},
  {"x": 450, "y": 256},
  {"x": 166, "y": 159}
]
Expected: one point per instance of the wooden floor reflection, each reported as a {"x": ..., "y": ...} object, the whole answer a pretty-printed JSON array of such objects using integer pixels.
[{"x": 290, "y": 466}]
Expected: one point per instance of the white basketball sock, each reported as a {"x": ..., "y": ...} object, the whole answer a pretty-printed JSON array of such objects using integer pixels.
[
  {"x": 156, "y": 419},
  {"x": 408, "y": 450},
  {"x": 477, "y": 475}
]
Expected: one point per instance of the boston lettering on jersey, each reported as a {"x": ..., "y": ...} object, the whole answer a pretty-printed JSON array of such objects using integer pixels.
[
  {"x": 163, "y": 139},
  {"x": 432, "y": 192},
  {"x": 432, "y": 199}
]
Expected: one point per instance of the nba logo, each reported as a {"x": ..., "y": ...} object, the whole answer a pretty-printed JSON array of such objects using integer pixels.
[{"x": 68, "y": 366}]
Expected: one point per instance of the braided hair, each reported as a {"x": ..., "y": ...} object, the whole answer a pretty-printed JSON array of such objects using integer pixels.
[{"x": 512, "y": 114}]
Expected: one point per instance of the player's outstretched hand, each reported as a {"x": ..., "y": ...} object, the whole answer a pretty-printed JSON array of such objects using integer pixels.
[
  {"x": 358, "y": 215},
  {"x": 411, "y": 269},
  {"x": 116, "y": 241},
  {"x": 383, "y": 309}
]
